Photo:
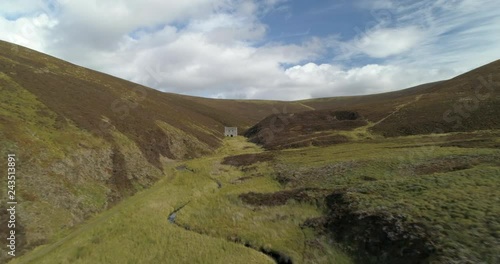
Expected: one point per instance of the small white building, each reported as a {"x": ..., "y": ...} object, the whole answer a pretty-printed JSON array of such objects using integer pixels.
[{"x": 230, "y": 131}]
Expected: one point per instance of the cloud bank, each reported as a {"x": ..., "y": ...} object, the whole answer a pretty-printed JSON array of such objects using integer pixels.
[{"x": 223, "y": 49}]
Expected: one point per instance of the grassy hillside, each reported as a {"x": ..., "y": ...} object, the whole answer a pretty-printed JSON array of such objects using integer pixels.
[
  {"x": 468, "y": 102},
  {"x": 372, "y": 107},
  {"x": 211, "y": 224},
  {"x": 85, "y": 139},
  {"x": 305, "y": 129}
]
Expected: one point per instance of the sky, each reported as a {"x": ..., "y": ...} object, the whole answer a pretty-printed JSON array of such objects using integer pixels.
[{"x": 262, "y": 49}]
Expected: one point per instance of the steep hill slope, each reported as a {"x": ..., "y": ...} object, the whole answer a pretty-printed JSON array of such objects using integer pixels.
[
  {"x": 385, "y": 102},
  {"x": 85, "y": 140},
  {"x": 467, "y": 102}
]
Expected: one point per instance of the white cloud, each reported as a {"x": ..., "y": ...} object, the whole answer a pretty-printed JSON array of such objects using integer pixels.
[
  {"x": 328, "y": 79},
  {"x": 458, "y": 35},
  {"x": 227, "y": 28},
  {"x": 384, "y": 42},
  {"x": 375, "y": 4},
  {"x": 32, "y": 31},
  {"x": 192, "y": 63},
  {"x": 218, "y": 49}
]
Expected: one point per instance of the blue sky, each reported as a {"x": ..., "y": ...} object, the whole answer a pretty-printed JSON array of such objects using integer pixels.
[
  {"x": 262, "y": 49},
  {"x": 315, "y": 18}
]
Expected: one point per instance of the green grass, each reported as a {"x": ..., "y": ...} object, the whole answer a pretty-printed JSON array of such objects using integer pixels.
[
  {"x": 43, "y": 142},
  {"x": 137, "y": 230},
  {"x": 224, "y": 215},
  {"x": 221, "y": 213},
  {"x": 461, "y": 205}
]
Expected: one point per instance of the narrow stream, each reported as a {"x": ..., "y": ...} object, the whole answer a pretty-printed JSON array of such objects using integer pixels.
[
  {"x": 173, "y": 215},
  {"x": 278, "y": 257}
]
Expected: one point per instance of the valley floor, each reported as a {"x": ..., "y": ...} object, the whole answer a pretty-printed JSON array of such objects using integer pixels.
[
  {"x": 244, "y": 205},
  {"x": 214, "y": 226}
]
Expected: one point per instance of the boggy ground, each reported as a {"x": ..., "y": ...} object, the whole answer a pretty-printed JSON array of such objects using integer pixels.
[
  {"x": 213, "y": 225},
  {"x": 417, "y": 199}
]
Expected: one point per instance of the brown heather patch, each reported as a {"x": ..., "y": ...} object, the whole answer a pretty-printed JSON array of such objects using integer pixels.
[
  {"x": 452, "y": 99},
  {"x": 311, "y": 128},
  {"x": 378, "y": 236},
  {"x": 247, "y": 159},
  {"x": 449, "y": 164},
  {"x": 310, "y": 195}
]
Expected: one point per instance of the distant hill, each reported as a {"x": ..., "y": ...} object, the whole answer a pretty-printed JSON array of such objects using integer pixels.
[
  {"x": 468, "y": 102},
  {"x": 304, "y": 129}
]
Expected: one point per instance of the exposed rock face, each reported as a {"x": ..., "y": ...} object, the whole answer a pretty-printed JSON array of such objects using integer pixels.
[
  {"x": 379, "y": 237},
  {"x": 60, "y": 188}
]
